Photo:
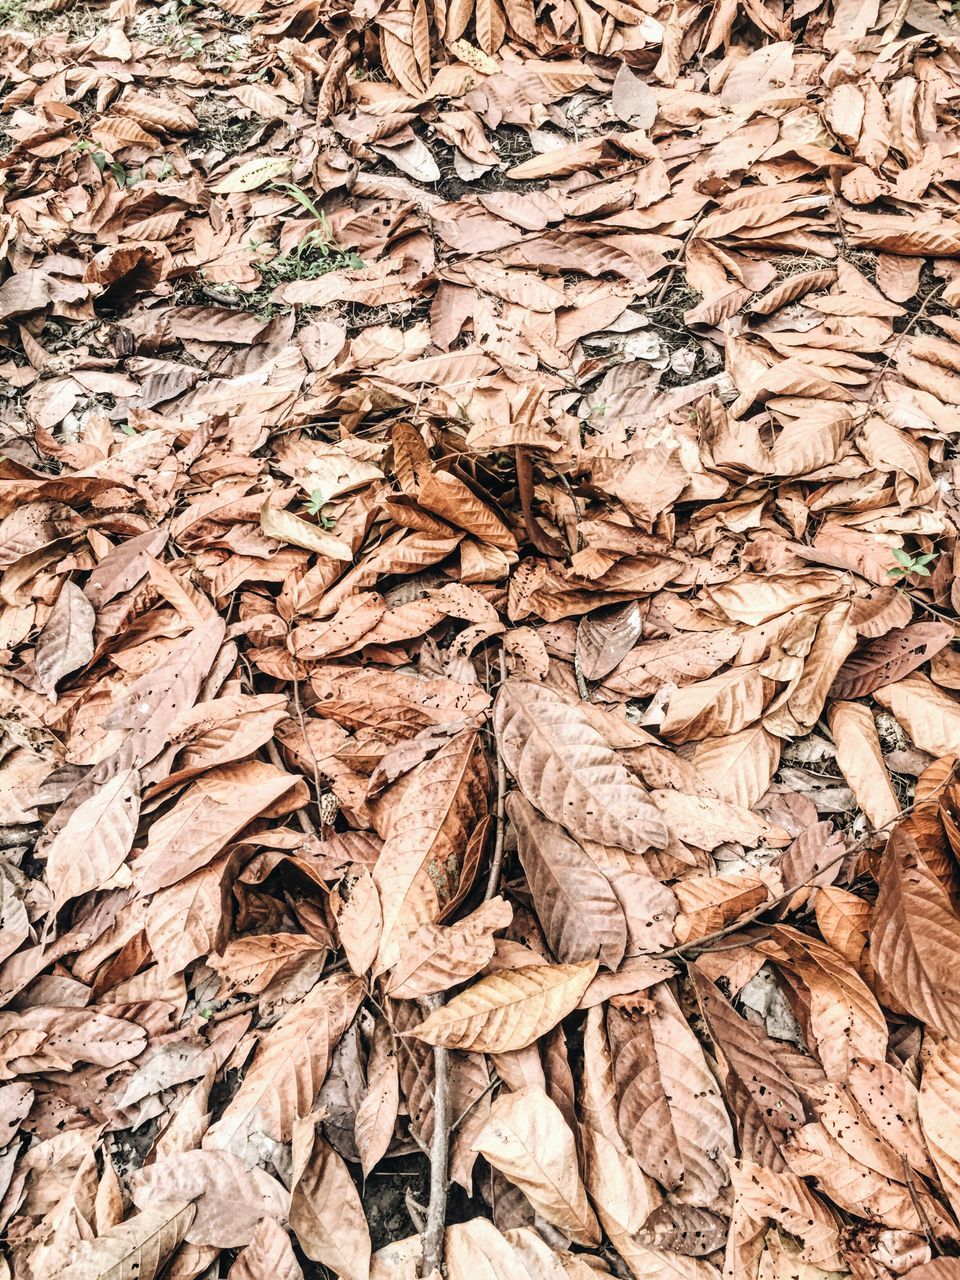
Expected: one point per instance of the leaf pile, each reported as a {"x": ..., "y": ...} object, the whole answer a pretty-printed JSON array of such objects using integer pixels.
[{"x": 478, "y": 578}]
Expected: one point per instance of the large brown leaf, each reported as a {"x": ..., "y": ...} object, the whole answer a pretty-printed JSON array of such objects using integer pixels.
[
  {"x": 325, "y": 1210},
  {"x": 605, "y": 637},
  {"x": 670, "y": 1111},
  {"x": 133, "y": 1250},
  {"x": 564, "y": 767},
  {"x": 421, "y": 872},
  {"x": 269, "y": 1253},
  {"x": 914, "y": 936},
  {"x": 528, "y": 1140},
  {"x": 207, "y": 815},
  {"x": 938, "y": 1106},
  {"x": 94, "y": 842},
  {"x": 578, "y": 908},
  {"x": 844, "y": 1018},
  {"x": 768, "y": 1084},
  {"x": 437, "y": 957},
  {"x": 230, "y": 1200},
  {"x": 889, "y": 658},
  {"x": 288, "y": 1069},
  {"x": 508, "y": 1009},
  {"x": 66, "y": 642}
]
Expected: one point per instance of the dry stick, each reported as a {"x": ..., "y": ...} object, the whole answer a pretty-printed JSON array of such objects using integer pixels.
[
  {"x": 914, "y": 319},
  {"x": 306, "y": 826},
  {"x": 675, "y": 264},
  {"x": 493, "y": 880},
  {"x": 432, "y": 1234},
  {"x": 919, "y": 1209},
  {"x": 700, "y": 944}
]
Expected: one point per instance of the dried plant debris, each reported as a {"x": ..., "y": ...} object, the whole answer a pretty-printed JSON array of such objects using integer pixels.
[{"x": 479, "y": 575}]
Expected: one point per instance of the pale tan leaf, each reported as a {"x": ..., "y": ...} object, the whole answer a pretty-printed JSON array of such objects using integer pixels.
[
  {"x": 92, "y": 845},
  {"x": 437, "y": 957},
  {"x": 528, "y": 1140},
  {"x": 783, "y": 1198},
  {"x": 725, "y": 704},
  {"x": 706, "y": 823},
  {"x": 356, "y": 909},
  {"x": 930, "y": 716},
  {"x": 508, "y": 1009},
  {"x": 860, "y": 760},
  {"x": 230, "y": 1200},
  {"x": 133, "y": 1250},
  {"x": 890, "y": 1101},
  {"x": 269, "y": 1253},
  {"x": 741, "y": 765},
  {"x": 207, "y": 815},
  {"x": 254, "y": 963},
  {"x": 189, "y": 919},
  {"x": 253, "y": 174},
  {"x": 284, "y": 526},
  {"x": 325, "y": 1210},
  {"x": 844, "y": 1017},
  {"x": 710, "y": 903}
]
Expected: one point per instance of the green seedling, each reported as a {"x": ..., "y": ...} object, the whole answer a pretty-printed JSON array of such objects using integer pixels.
[{"x": 907, "y": 565}]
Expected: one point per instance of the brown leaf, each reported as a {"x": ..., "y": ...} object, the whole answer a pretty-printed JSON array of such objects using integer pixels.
[
  {"x": 206, "y": 816},
  {"x": 377, "y": 1112},
  {"x": 269, "y": 1253},
  {"x": 66, "y": 642},
  {"x": 670, "y": 1110},
  {"x": 137, "y": 1249},
  {"x": 605, "y": 637},
  {"x": 91, "y": 846},
  {"x": 438, "y": 957},
  {"x": 563, "y": 765},
  {"x": 289, "y": 1066},
  {"x": 325, "y": 1211},
  {"x": 508, "y": 1009},
  {"x": 229, "y": 1199},
  {"x": 889, "y": 658},
  {"x": 527, "y": 1139},
  {"x": 575, "y": 901},
  {"x": 768, "y": 1084},
  {"x": 860, "y": 760},
  {"x": 421, "y": 873},
  {"x": 914, "y": 934}
]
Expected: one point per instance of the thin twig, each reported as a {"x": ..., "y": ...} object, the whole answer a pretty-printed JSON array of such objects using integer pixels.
[
  {"x": 702, "y": 944},
  {"x": 681, "y": 252},
  {"x": 432, "y": 1234},
  {"x": 929, "y": 608},
  {"x": 306, "y": 826},
  {"x": 493, "y": 880},
  {"x": 317, "y": 789},
  {"x": 914, "y": 319},
  {"x": 919, "y": 1209}
]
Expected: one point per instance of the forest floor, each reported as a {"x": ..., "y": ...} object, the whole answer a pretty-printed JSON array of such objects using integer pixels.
[{"x": 478, "y": 587}]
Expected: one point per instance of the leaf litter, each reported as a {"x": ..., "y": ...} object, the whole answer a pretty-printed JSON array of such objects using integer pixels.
[{"x": 478, "y": 536}]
